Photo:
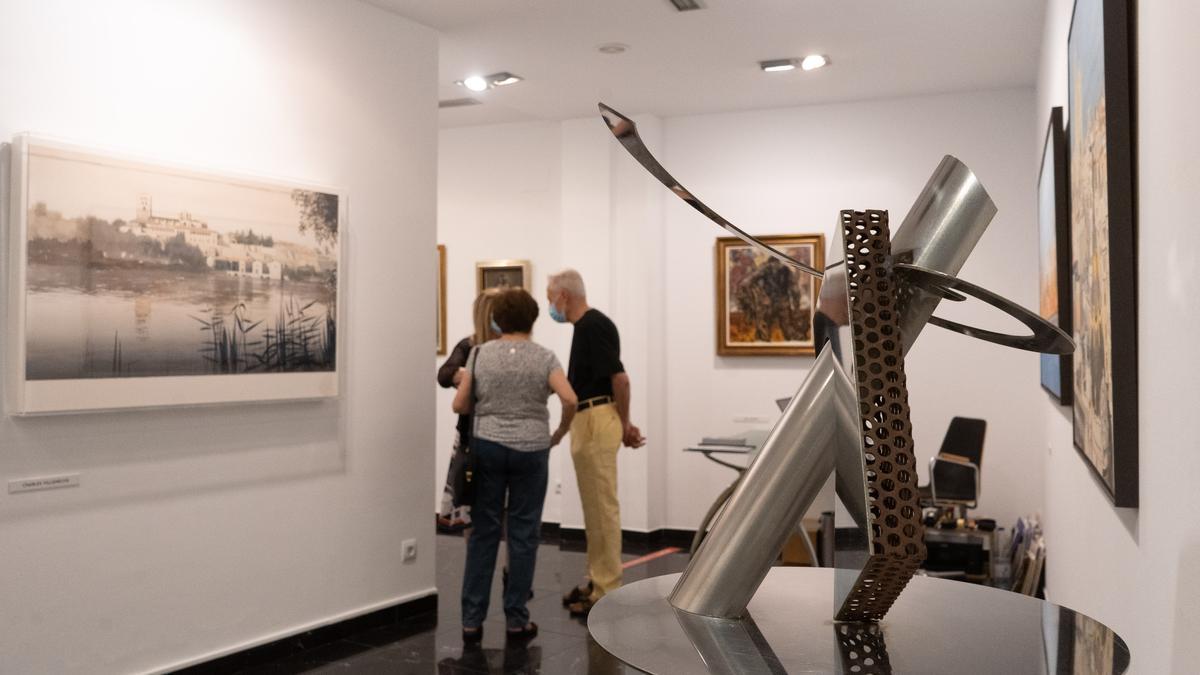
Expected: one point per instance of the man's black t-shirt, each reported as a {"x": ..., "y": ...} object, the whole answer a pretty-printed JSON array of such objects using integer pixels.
[{"x": 595, "y": 356}]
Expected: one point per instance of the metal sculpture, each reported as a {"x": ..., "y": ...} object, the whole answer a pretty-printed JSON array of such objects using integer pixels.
[{"x": 850, "y": 416}]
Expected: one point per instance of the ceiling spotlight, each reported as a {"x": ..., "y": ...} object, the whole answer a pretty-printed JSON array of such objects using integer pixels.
[
  {"x": 814, "y": 61},
  {"x": 475, "y": 83},
  {"x": 613, "y": 48},
  {"x": 503, "y": 79},
  {"x": 485, "y": 82},
  {"x": 777, "y": 65}
]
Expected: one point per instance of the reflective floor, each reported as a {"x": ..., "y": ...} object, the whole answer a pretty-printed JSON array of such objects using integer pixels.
[{"x": 562, "y": 646}]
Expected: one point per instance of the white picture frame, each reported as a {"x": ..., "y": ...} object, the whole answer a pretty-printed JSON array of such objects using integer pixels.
[{"x": 317, "y": 373}]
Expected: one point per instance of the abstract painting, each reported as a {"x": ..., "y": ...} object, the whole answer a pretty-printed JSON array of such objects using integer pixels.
[
  {"x": 1103, "y": 243},
  {"x": 1054, "y": 254},
  {"x": 138, "y": 284},
  {"x": 764, "y": 307},
  {"x": 501, "y": 274}
]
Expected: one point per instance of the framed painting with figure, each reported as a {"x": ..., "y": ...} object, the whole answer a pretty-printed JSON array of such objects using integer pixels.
[
  {"x": 1054, "y": 254},
  {"x": 765, "y": 307},
  {"x": 501, "y": 274},
  {"x": 1103, "y": 244},
  {"x": 138, "y": 284},
  {"x": 440, "y": 321}
]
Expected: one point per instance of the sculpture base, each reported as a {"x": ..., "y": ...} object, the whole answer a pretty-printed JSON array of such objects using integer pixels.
[{"x": 937, "y": 626}]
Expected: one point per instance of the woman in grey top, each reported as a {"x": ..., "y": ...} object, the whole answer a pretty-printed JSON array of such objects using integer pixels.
[{"x": 512, "y": 378}]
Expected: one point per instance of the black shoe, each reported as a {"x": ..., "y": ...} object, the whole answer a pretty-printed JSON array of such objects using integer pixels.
[
  {"x": 582, "y": 608},
  {"x": 472, "y": 636},
  {"x": 524, "y": 635},
  {"x": 577, "y": 594}
]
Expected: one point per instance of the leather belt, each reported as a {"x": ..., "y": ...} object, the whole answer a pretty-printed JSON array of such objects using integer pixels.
[{"x": 593, "y": 402}]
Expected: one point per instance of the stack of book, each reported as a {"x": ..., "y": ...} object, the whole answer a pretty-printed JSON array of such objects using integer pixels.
[{"x": 1027, "y": 554}]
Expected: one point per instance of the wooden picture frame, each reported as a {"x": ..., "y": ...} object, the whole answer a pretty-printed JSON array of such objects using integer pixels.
[
  {"x": 1104, "y": 243},
  {"x": 440, "y": 323},
  {"x": 1054, "y": 255},
  {"x": 499, "y": 273},
  {"x": 764, "y": 307}
]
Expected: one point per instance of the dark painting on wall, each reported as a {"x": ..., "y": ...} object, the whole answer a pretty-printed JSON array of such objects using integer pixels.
[
  {"x": 1054, "y": 254},
  {"x": 765, "y": 308},
  {"x": 1103, "y": 263}
]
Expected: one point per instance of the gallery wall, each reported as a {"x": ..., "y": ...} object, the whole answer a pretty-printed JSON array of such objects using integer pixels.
[
  {"x": 1138, "y": 570},
  {"x": 197, "y": 532},
  {"x": 648, "y": 259}
]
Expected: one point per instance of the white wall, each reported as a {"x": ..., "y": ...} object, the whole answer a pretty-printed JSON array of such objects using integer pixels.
[
  {"x": 1138, "y": 570},
  {"x": 648, "y": 259},
  {"x": 199, "y": 532}
]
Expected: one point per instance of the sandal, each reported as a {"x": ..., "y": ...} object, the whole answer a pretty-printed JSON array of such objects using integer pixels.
[
  {"x": 577, "y": 594},
  {"x": 472, "y": 636},
  {"x": 527, "y": 633},
  {"x": 581, "y": 608}
]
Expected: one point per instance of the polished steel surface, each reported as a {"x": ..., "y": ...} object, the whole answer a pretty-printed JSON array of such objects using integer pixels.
[
  {"x": 1045, "y": 338},
  {"x": 626, "y": 133},
  {"x": 936, "y": 627},
  {"x": 939, "y": 233},
  {"x": 773, "y": 495}
]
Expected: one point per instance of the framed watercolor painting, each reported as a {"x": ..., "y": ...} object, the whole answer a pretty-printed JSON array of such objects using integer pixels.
[
  {"x": 1054, "y": 254},
  {"x": 440, "y": 322},
  {"x": 501, "y": 274},
  {"x": 135, "y": 284},
  {"x": 1103, "y": 244},
  {"x": 764, "y": 307}
]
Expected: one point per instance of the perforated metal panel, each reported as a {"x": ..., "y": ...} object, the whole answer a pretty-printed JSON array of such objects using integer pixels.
[
  {"x": 863, "y": 649},
  {"x": 894, "y": 514}
]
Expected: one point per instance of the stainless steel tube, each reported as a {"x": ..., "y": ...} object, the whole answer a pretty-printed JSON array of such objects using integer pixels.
[
  {"x": 773, "y": 495},
  {"x": 939, "y": 233}
]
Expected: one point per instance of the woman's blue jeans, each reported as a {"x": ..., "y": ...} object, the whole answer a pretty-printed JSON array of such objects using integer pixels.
[{"x": 522, "y": 476}]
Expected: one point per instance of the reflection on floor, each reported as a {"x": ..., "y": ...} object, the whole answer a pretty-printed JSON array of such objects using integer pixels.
[{"x": 563, "y": 645}]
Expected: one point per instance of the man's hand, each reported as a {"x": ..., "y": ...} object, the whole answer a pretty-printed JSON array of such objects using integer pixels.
[
  {"x": 632, "y": 437},
  {"x": 557, "y": 437}
]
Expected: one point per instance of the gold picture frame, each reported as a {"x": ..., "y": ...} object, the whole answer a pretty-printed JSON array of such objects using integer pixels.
[
  {"x": 498, "y": 274},
  {"x": 764, "y": 307},
  {"x": 440, "y": 324}
]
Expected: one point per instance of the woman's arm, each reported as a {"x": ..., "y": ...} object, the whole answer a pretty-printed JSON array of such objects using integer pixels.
[
  {"x": 462, "y": 397},
  {"x": 454, "y": 362},
  {"x": 566, "y": 395}
]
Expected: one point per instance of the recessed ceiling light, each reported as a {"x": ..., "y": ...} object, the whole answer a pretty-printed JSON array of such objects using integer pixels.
[
  {"x": 777, "y": 65},
  {"x": 485, "y": 82},
  {"x": 503, "y": 79},
  {"x": 475, "y": 83},
  {"x": 613, "y": 48},
  {"x": 814, "y": 61}
]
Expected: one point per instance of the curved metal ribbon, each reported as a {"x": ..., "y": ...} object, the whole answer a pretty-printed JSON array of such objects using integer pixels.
[
  {"x": 625, "y": 130},
  {"x": 1046, "y": 338}
]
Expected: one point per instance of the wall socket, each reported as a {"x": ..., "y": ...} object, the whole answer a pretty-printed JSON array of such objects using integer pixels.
[{"x": 409, "y": 549}]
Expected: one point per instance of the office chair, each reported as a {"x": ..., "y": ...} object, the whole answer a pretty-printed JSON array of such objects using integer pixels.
[{"x": 954, "y": 471}]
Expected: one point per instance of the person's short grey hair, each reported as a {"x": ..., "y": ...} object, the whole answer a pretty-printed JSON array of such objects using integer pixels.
[{"x": 570, "y": 281}]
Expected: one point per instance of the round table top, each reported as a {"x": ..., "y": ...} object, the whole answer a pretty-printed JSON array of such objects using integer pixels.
[{"x": 937, "y": 626}]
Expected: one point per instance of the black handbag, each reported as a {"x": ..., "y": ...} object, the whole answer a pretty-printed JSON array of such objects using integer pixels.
[{"x": 462, "y": 468}]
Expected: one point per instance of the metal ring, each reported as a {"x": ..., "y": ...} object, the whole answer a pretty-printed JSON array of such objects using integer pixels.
[{"x": 1046, "y": 337}]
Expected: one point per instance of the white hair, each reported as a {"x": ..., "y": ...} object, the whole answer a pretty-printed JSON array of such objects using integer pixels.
[{"x": 570, "y": 281}]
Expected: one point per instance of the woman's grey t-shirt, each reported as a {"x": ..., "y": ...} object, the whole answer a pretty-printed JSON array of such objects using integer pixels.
[{"x": 512, "y": 383}]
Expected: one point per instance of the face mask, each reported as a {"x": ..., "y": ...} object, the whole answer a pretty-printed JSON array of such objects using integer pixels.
[
  {"x": 557, "y": 315},
  {"x": 496, "y": 328}
]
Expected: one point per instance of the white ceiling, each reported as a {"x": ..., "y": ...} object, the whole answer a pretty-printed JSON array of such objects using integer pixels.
[{"x": 706, "y": 60}]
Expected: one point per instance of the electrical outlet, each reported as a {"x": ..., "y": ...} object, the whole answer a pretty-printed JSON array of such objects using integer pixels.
[
  {"x": 409, "y": 547},
  {"x": 558, "y": 487}
]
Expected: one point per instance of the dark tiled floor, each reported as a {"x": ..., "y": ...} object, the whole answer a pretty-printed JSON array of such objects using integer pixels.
[{"x": 562, "y": 646}]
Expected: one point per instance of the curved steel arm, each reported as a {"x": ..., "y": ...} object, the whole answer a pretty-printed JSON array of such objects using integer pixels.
[{"x": 626, "y": 132}]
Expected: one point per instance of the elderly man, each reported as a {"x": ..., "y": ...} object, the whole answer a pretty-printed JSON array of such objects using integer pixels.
[{"x": 601, "y": 425}]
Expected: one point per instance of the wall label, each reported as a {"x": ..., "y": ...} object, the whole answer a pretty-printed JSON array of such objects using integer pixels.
[{"x": 43, "y": 483}]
